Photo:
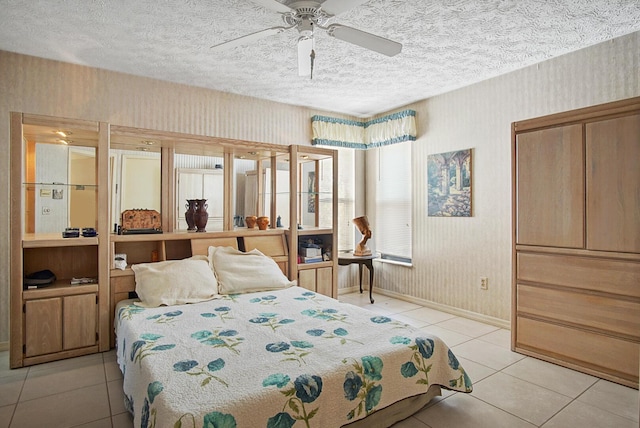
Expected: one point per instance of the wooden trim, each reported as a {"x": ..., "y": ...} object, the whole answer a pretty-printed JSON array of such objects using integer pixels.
[
  {"x": 293, "y": 213},
  {"x": 167, "y": 195},
  {"x": 514, "y": 231},
  {"x": 575, "y": 366},
  {"x": 104, "y": 259},
  {"x": 17, "y": 224},
  {"x": 201, "y": 246},
  {"x": 29, "y": 361},
  {"x": 334, "y": 226},
  {"x": 578, "y": 252},
  {"x": 229, "y": 202},
  {"x": 59, "y": 122},
  {"x": 586, "y": 114}
]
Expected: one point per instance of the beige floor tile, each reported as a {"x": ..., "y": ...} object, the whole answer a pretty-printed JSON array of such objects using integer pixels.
[
  {"x": 378, "y": 310},
  {"x": 56, "y": 378},
  {"x": 429, "y": 315},
  {"x": 362, "y": 298},
  {"x": 582, "y": 415},
  {"x": 614, "y": 398},
  {"x": 450, "y": 337},
  {"x": 466, "y": 411},
  {"x": 475, "y": 371},
  {"x": 6, "y": 371},
  {"x": 488, "y": 354},
  {"x": 102, "y": 423},
  {"x": 116, "y": 397},
  {"x": 123, "y": 420},
  {"x": 112, "y": 370},
  {"x": 396, "y": 305},
  {"x": 467, "y": 326},
  {"x": 410, "y": 423},
  {"x": 6, "y": 412},
  {"x": 109, "y": 355},
  {"x": 408, "y": 320},
  {"x": 10, "y": 388},
  {"x": 529, "y": 402},
  {"x": 66, "y": 409},
  {"x": 500, "y": 337},
  {"x": 551, "y": 376}
]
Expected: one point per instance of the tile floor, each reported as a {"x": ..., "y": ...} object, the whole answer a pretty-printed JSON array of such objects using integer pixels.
[{"x": 510, "y": 390}]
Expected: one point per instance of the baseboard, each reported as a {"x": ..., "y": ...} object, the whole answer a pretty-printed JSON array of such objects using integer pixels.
[
  {"x": 4, "y": 346},
  {"x": 438, "y": 306}
]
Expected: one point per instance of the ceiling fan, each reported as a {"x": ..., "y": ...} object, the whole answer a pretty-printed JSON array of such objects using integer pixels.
[{"x": 305, "y": 16}]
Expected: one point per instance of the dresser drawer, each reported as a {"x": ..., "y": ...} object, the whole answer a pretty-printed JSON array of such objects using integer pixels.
[
  {"x": 612, "y": 315},
  {"x": 601, "y": 354},
  {"x": 611, "y": 276}
]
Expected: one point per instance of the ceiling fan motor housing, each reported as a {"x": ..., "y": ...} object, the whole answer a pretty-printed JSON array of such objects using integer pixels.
[{"x": 305, "y": 15}]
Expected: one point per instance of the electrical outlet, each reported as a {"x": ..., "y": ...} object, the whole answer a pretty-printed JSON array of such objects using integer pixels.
[
  {"x": 484, "y": 283},
  {"x": 46, "y": 210}
]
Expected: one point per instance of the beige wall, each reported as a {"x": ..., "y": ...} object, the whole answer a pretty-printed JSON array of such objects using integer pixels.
[
  {"x": 451, "y": 254},
  {"x": 39, "y": 86}
]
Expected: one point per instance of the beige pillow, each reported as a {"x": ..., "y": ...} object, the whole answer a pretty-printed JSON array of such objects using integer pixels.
[
  {"x": 175, "y": 282},
  {"x": 239, "y": 272}
]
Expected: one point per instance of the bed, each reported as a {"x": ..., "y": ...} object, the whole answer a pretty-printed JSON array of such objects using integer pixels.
[{"x": 259, "y": 351}]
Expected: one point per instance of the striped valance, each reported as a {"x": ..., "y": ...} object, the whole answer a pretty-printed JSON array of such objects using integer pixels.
[{"x": 382, "y": 131}]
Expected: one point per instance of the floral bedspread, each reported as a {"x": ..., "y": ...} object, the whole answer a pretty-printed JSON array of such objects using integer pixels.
[{"x": 273, "y": 359}]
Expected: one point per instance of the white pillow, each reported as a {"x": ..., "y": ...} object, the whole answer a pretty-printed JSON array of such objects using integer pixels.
[
  {"x": 238, "y": 272},
  {"x": 175, "y": 282}
]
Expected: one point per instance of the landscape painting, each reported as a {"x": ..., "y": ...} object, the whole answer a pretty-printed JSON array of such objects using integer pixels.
[{"x": 449, "y": 184}]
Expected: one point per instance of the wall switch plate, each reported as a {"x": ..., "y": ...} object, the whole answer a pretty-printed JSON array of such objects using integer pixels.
[{"x": 484, "y": 283}]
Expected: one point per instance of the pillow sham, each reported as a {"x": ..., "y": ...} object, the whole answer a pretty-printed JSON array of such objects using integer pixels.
[
  {"x": 175, "y": 282},
  {"x": 245, "y": 272}
]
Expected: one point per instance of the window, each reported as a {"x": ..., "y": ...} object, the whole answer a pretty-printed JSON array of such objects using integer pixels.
[
  {"x": 346, "y": 198},
  {"x": 393, "y": 203}
]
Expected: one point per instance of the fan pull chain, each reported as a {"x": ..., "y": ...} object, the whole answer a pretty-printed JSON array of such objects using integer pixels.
[{"x": 313, "y": 57}]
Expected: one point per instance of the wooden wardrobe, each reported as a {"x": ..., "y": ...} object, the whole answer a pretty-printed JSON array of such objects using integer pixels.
[{"x": 576, "y": 239}]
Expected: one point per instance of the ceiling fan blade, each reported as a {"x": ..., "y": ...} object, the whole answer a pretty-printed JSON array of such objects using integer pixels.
[
  {"x": 248, "y": 38},
  {"x": 335, "y": 7},
  {"x": 273, "y": 5},
  {"x": 305, "y": 46},
  {"x": 364, "y": 39}
]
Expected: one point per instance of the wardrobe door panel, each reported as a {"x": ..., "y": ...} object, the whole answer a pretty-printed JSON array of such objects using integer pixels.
[
  {"x": 613, "y": 184},
  {"x": 550, "y": 187}
]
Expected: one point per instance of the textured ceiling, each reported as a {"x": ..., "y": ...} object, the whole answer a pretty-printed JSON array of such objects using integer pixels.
[{"x": 447, "y": 44}]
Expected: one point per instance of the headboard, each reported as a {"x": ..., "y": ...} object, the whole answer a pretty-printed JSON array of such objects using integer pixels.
[{"x": 201, "y": 246}]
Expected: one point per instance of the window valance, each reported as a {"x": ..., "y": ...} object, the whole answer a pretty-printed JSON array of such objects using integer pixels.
[{"x": 382, "y": 131}]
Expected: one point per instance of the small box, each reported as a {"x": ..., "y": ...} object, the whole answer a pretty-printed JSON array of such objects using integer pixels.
[{"x": 310, "y": 252}]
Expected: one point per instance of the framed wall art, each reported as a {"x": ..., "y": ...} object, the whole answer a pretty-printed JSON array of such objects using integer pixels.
[{"x": 449, "y": 184}]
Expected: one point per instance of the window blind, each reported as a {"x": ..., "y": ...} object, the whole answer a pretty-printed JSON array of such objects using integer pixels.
[
  {"x": 393, "y": 203},
  {"x": 346, "y": 198}
]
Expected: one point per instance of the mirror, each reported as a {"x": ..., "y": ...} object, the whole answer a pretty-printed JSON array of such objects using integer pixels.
[
  {"x": 60, "y": 179},
  {"x": 254, "y": 190},
  {"x": 199, "y": 177},
  {"x": 316, "y": 190},
  {"x": 136, "y": 182}
]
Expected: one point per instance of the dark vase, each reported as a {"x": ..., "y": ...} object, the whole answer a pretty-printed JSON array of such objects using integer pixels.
[
  {"x": 201, "y": 215},
  {"x": 188, "y": 215}
]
